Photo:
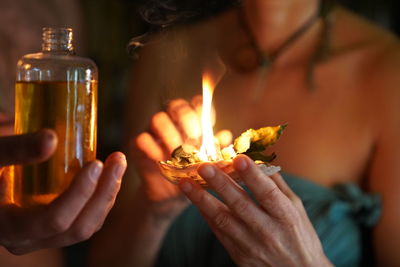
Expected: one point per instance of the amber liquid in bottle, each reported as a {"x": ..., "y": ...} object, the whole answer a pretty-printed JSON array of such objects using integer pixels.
[
  {"x": 57, "y": 90},
  {"x": 68, "y": 109}
]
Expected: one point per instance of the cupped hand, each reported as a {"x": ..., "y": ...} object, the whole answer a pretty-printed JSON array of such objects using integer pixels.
[
  {"x": 73, "y": 217},
  {"x": 168, "y": 130},
  {"x": 275, "y": 231}
]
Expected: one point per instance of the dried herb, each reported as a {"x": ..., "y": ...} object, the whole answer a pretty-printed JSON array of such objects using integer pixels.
[
  {"x": 258, "y": 140},
  {"x": 184, "y": 155},
  {"x": 251, "y": 143}
]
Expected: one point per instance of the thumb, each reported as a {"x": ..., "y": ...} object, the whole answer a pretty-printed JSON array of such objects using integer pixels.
[{"x": 27, "y": 148}]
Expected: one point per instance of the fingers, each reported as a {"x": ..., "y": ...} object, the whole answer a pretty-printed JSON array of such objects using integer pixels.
[
  {"x": 263, "y": 187},
  {"x": 226, "y": 242},
  {"x": 215, "y": 212},
  {"x": 180, "y": 123},
  {"x": 26, "y": 226},
  {"x": 77, "y": 214},
  {"x": 93, "y": 215},
  {"x": 197, "y": 103},
  {"x": 146, "y": 143},
  {"x": 232, "y": 194},
  {"x": 186, "y": 118},
  {"x": 103, "y": 199},
  {"x": 277, "y": 178},
  {"x": 62, "y": 212},
  {"x": 165, "y": 129},
  {"x": 27, "y": 148}
]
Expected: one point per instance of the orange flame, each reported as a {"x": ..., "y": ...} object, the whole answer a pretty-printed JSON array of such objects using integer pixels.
[{"x": 208, "y": 150}]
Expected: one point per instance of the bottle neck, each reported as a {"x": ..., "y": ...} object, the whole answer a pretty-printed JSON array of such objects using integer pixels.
[{"x": 57, "y": 40}]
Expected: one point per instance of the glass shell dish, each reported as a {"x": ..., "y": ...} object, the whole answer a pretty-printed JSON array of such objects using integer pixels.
[{"x": 175, "y": 173}]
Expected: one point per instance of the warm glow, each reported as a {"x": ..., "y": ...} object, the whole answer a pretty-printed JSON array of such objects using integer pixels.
[{"x": 208, "y": 150}]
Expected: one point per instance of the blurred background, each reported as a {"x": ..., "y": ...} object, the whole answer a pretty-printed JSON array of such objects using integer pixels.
[{"x": 103, "y": 29}]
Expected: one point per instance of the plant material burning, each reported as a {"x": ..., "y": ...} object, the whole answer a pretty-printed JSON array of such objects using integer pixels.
[{"x": 186, "y": 158}]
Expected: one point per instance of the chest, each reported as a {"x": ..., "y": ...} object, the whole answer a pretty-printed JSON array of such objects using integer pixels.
[{"x": 330, "y": 133}]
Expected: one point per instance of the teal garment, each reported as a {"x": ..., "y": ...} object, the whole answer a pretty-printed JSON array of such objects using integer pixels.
[{"x": 341, "y": 216}]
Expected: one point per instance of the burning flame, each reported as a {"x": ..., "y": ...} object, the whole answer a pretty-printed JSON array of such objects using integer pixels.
[{"x": 208, "y": 150}]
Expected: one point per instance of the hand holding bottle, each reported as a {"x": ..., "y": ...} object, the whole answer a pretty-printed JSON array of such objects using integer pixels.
[{"x": 76, "y": 215}]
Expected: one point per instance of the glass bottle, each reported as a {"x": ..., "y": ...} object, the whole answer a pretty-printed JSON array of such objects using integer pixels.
[{"x": 55, "y": 89}]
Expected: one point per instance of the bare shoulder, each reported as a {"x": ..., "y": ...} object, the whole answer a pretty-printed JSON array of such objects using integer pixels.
[
  {"x": 378, "y": 47},
  {"x": 377, "y": 53},
  {"x": 356, "y": 29}
]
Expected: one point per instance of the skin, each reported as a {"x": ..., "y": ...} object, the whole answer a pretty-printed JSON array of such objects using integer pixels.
[
  {"x": 345, "y": 131},
  {"x": 73, "y": 217},
  {"x": 156, "y": 201},
  {"x": 276, "y": 229}
]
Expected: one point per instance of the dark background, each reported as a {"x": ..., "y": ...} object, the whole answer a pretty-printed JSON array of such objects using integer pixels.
[{"x": 383, "y": 12}]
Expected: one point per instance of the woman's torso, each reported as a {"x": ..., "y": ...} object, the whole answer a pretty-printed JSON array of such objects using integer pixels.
[{"x": 332, "y": 126}]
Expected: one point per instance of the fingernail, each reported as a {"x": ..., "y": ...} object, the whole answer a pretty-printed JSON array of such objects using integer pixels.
[
  {"x": 47, "y": 137},
  {"x": 43, "y": 134},
  {"x": 240, "y": 164},
  {"x": 95, "y": 171},
  {"x": 117, "y": 162},
  {"x": 119, "y": 169},
  {"x": 207, "y": 171},
  {"x": 119, "y": 156},
  {"x": 44, "y": 140},
  {"x": 186, "y": 187}
]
